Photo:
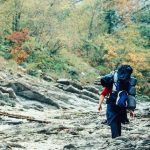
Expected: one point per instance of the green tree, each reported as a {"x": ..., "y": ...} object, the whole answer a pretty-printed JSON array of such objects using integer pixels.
[{"x": 111, "y": 19}]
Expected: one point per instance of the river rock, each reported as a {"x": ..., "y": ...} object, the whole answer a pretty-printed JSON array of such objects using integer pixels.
[
  {"x": 71, "y": 89},
  {"x": 88, "y": 98},
  {"x": 26, "y": 92},
  {"x": 9, "y": 91},
  {"x": 76, "y": 85},
  {"x": 76, "y": 125},
  {"x": 63, "y": 81},
  {"x": 90, "y": 94},
  {"x": 48, "y": 78},
  {"x": 69, "y": 146},
  {"x": 92, "y": 89}
]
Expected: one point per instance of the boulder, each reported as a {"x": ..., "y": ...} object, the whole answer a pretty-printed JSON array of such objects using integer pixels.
[
  {"x": 1, "y": 79},
  {"x": 63, "y": 81},
  {"x": 88, "y": 98},
  {"x": 71, "y": 89},
  {"x": 4, "y": 96},
  {"x": 60, "y": 86},
  {"x": 91, "y": 89},
  {"x": 69, "y": 146},
  {"x": 90, "y": 94},
  {"x": 48, "y": 78},
  {"x": 28, "y": 93},
  {"x": 10, "y": 91},
  {"x": 76, "y": 85}
]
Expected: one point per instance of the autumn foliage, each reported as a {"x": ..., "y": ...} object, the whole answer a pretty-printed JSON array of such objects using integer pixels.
[
  {"x": 18, "y": 38},
  {"x": 19, "y": 55},
  {"x": 64, "y": 35}
]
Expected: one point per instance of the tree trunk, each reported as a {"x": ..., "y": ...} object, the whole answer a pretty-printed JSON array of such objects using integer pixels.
[
  {"x": 18, "y": 4},
  {"x": 16, "y": 22},
  {"x": 91, "y": 26}
]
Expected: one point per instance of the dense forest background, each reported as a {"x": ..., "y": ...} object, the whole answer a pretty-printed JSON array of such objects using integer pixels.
[{"x": 77, "y": 39}]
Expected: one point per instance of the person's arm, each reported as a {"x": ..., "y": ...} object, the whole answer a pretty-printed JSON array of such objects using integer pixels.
[
  {"x": 132, "y": 113},
  {"x": 101, "y": 99},
  {"x": 102, "y": 96}
]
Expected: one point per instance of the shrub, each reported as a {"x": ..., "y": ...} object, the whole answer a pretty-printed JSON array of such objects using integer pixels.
[
  {"x": 18, "y": 54},
  {"x": 17, "y": 39},
  {"x": 73, "y": 73},
  {"x": 4, "y": 49},
  {"x": 145, "y": 33},
  {"x": 32, "y": 72},
  {"x": 95, "y": 52}
]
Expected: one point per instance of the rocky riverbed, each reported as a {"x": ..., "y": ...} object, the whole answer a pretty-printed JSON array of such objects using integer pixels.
[{"x": 43, "y": 114}]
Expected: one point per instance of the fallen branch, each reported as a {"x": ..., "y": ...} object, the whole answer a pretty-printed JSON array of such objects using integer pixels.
[{"x": 32, "y": 119}]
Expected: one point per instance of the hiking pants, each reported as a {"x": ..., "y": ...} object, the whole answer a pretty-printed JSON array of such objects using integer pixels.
[
  {"x": 115, "y": 116},
  {"x": 115, "y": 128}
]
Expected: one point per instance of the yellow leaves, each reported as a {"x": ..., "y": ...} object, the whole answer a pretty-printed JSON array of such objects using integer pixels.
[
  {"x": 112, "y": 54},
  {"x": 89, "y": 2},
  {"x": 137, "y": 61},
  {"x": 123, "y": 48},
  {"x": 126, "y": 8},
  {"x": 123, "y": 5},
  {"x": 132, "y": 58},
  {"x": 75, "y": 61},
  {"x": 64, "y": 4},
  {"x": 111, "y": 51}
]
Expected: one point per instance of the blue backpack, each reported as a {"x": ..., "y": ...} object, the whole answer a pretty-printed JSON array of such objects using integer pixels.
[
  {"x": 122, "y": 98},
  {"x": 121, "y": 84},
  {"x": 126, "y": 97},
  {"x": 107, "y": 80}
]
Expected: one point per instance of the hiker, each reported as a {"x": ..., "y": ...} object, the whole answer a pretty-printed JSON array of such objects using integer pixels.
[{"x": 114, "y": 113}]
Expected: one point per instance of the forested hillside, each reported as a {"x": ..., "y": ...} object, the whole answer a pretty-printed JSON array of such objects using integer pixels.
[
  {"x": 52, "y": 53},
  {"x": 77, "y": 39}
]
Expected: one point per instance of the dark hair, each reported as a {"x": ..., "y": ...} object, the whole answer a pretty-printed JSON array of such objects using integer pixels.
[{"x": 128, "y": 68}]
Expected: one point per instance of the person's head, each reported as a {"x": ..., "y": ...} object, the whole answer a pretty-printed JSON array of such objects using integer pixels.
[{"x": 126, "y": 68}]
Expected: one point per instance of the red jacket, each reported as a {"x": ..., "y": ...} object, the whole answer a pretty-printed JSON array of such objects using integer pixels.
[{"x": 106, "y": 91}]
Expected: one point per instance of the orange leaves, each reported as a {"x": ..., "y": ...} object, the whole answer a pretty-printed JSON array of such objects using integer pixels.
[
  {"x": 18, "y": 53},
  {"x": 19, "y": 37}
]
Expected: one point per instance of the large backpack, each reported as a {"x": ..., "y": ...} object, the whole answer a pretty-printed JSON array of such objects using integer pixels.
[
  {"x": 107, "y": 80},
  {"x": 124, "y": 87},
  {"x": 131, "y": 102}
]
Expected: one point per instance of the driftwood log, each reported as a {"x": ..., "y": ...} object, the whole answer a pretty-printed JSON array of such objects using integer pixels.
[{"x": 32, "y": 119}]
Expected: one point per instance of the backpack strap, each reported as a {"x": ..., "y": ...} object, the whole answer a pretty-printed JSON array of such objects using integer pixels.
[{"x": 115, "y": 75}]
